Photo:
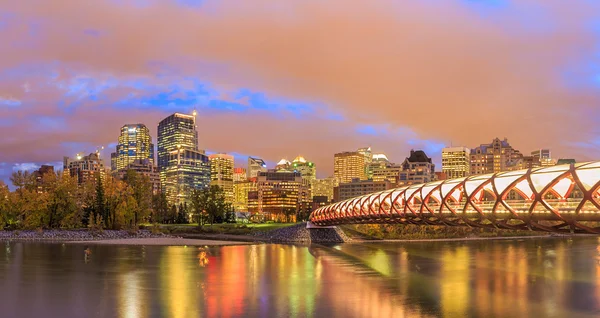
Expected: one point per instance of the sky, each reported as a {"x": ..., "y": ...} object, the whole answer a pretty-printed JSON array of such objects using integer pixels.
[{"x": 277, "y": 79}]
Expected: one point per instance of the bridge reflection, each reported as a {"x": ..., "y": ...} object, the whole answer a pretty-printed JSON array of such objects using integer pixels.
[{"x": 563, "y": 198}]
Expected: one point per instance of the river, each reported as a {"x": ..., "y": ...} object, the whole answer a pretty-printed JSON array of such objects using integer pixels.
[{"x": 557, "y": 277}]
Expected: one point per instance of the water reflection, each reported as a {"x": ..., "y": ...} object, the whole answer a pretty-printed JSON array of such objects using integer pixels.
[{"x": 547, "y": 278}]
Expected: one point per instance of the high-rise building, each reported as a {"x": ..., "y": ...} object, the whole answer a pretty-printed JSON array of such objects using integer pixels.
[
  {"x": 135, "y": 144},
  {"x": 323, "y": 188},
  {"x": 494, "y": 157},
  {"x": 183, "y": 167},
  {"x": 283, "y": 165},
  {"x": 84, "y": 168},
  {"x": 348, "y": 166},
  {"x": 307, "y": 169},
  {"x": 221, "y": 174},
  {"x": 359, "y": 187},
  {"x": 367, "y": 153},
  {"x": 456, "y": 162},
  {"x": 177, "y": 131},
  {"x": 417, "y": 168},
  {"x": 146, "y": 168},
  {"x": 240, "y": 194},
  {"x": 239, "y": 174},
  {"x": 378, "y": 160},
  {"x": 255, "y": 165},
  {"x": 185, "y": 171}
]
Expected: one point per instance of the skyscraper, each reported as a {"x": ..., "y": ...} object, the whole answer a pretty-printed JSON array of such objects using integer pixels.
[
  {"x": 456, "y": 162},
  {"x": 183, "y": 167},
  {"x": 221, "y": 174},
  {"x": 255, "y": 165},
  {"x": 307, "y": 169},
  {"x": 135, "y": 144},
  {"x": 176, "y": 131},
  {"x": 348, "y": 166}
]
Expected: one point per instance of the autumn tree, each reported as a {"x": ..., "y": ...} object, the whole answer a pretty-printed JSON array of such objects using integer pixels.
[{"x": 141, "y": 190}]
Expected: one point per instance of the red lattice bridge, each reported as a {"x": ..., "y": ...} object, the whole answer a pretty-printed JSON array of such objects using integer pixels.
[{"x": 562, "y": 198}]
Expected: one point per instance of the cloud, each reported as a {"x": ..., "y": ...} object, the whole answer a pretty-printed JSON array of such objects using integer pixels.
[
  {"x": 311, "y": 77},
  {"x": 9, "y": 101}
]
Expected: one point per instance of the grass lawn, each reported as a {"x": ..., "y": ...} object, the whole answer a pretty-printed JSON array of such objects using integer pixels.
[{"x": 224, "y": 228}]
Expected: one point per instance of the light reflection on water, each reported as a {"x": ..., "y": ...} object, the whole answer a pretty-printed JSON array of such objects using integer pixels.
[{"x": 546, "y": 278}]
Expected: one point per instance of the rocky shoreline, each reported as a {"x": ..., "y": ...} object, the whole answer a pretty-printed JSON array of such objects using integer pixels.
[
  {"x": 300, "y": 234},
  {"x": 77, "y": 235}
]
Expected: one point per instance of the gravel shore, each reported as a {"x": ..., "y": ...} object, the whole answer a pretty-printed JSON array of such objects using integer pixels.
[{"x": 77, "y": 235}]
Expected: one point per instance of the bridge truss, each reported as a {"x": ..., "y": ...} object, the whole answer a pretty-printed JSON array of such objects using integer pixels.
[{"x": 562, "y": 198}]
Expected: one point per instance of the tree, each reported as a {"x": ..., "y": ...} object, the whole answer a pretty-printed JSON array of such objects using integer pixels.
[
  {"x": 141, "y": 189},
  {"x": 210, "y": 204},
  {"x": 23, "y": 180},
  {"x": 182, "y": 214},
  {"x": 116, "y": 192},
  {"x": 160, "y": 209},
  {"x": 288, "y": 213},
  {"x": 100, "y": 203},
  {"x": 7, "y": 218},
  {"x": 61, "y": 209}
]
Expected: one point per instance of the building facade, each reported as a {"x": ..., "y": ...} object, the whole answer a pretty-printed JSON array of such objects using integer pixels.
[
  {"x": 307, "y": 169},
  {"x": 378, "y": 160},
  {"x": 134, "y": 144},
  {"x": 84, "y": 168},
  {"x": 349, "y": 165},
  {"x": 417, "y": 168},
  {"x": 323, "y": 188},
  {"x": 182, "y": 166},
  {"x": 359, "y": 187},
  {"x": 221, "y": 174},
  {"x": 175, "y": 132},
  {"x": 240, "y": 195},
  {"x": 389, "y": 172},
  {"x": 255, "y": 165},
  {"x": 186, "y": 170},
  {"x": 239, "y": 174},
  {"x": 456, "y": 162},
  {"x": 279, "y": 195},
  {"x": 494, "y": 157}
]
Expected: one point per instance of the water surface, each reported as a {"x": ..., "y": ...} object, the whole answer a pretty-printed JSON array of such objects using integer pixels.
[{"x": 517, "y": 278}]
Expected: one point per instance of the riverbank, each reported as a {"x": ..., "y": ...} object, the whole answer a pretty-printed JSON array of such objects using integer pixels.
[
  {"x": 161, "y": 241},
  {"x": 78, "y": 235}
]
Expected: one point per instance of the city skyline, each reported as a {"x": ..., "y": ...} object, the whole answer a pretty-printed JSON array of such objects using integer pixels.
[
  {"x": 62, "y": 95},
  {"x": 239, "y": 159}
]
